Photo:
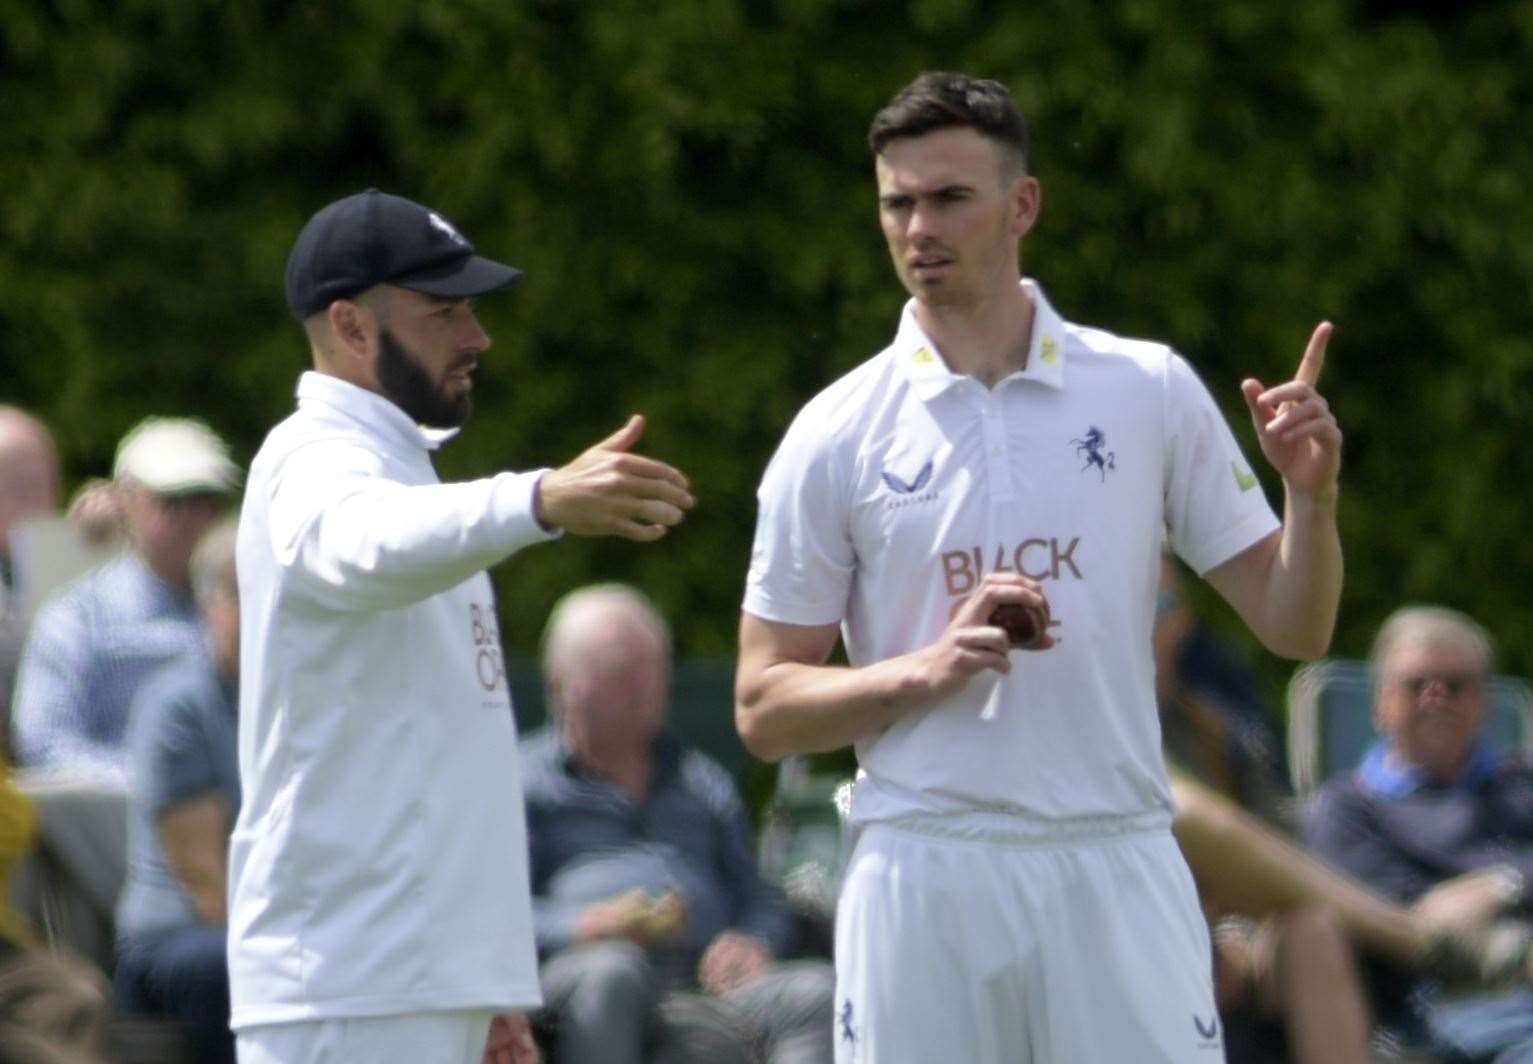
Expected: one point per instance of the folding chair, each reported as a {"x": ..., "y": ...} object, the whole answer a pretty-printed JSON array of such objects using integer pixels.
[{"x": 1330, "y": 719}]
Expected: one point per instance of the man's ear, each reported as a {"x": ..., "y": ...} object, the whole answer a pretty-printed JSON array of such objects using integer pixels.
[
  {"x": 354, "y": 326},
  {"x": 1378, "y": 714},
  {"x": 1027, "y": 195}
]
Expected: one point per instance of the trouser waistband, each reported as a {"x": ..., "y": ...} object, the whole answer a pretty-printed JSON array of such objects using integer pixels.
[{"x": 1015, "y": 829}]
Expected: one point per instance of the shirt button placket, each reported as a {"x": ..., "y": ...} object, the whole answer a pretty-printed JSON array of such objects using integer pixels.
[{"x": 997, "y": 466}]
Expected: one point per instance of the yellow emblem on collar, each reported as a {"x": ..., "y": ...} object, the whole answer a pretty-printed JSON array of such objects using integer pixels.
[
  {"x": 923, "y": 356},
  {"x": 1048, "y": 350}
]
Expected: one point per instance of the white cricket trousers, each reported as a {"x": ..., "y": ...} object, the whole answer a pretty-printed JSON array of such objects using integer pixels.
[
  {"x": 455, "y": 1037},
  {"x": 990, "y": 938}
]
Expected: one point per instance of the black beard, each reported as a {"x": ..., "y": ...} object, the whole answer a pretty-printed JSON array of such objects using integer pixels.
[{"x": 407, "y": 386}]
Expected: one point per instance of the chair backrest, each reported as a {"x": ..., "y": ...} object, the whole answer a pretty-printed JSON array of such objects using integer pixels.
[
  {"x": 702, "y": 707},
  {"x": 67, "y": 888},
  {"x": 1330, "y": 719}
]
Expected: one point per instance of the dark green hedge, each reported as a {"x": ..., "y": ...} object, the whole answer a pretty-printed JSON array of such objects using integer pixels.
[{"x": 686, "y": 185}]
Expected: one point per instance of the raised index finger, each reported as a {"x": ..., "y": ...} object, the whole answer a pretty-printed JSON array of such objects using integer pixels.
[{"x": 1314, "y": 355}]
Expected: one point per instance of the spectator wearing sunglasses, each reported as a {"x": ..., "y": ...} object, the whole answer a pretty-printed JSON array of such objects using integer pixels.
[{"x": 1433, "y": 805}]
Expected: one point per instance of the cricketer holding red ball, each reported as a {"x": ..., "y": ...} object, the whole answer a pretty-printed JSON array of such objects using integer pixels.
[{"x": 1014, "y": 894}]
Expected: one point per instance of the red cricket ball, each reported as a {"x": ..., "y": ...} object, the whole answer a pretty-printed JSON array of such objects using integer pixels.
[{"x": 1024, "y": 625}]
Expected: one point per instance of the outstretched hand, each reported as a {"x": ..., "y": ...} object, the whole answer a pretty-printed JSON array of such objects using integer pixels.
[
  {"x": 1295, "y": 426},
  {"x": 610, "y": 491}
]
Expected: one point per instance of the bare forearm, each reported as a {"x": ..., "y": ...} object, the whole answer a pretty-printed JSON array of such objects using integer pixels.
[
  {"x": 794, "y": 708},
  {"x": 192, "y": 835},
  {"x": 1287, "y": 587},
  {"x": 1304, "y": 589},
  {"x": 208, "y": 898},
  {"x": 787, "y": 701},
  {"x": 1248, "y": 868},
  {"x": 1290, "y": 587},
  {"x": 204, "y": 878}
]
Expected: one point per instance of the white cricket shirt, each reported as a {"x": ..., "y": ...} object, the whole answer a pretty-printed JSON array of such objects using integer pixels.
[
  {"x": 898, "y": 487},
  {"x": 379, "y": 862}
]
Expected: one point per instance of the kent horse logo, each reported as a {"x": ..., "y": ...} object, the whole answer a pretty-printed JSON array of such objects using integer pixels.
[
  {"x": 915, "y": 485},
  {"x": 1090, "y": 447}
]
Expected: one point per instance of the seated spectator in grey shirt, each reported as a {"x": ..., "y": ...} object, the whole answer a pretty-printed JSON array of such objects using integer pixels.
[
  {"x": 184, "y": 792},
  {"x": 1436, "y": 819},
  {"x": 644, "y": 885}
]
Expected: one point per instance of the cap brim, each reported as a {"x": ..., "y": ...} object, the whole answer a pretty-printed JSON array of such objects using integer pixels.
[
  {"x": 461, "y": 279},
  {"x": 174, "y": 488}
]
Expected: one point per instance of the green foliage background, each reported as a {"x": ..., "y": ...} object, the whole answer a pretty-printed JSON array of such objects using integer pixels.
[{"x": 686, "y": 185}]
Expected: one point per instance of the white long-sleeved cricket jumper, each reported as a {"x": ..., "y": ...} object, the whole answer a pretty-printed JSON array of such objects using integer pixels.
[{"x": 379, "y": 863}]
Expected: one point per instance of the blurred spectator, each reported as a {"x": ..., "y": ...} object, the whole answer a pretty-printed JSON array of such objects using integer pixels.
[
  {"x": 1435, "y": 817},
  {"x": 183, "y": 795},
  {"x": 1215, "y": 724},
  {"x": 18, "y": 834},
  {"x": 1285, "y": 979},
  {"x": 93, "y": 645},
  {"x": 54, "y": 1008},
  {"x": 52, "y": 1011},
  {"x": 1286, "y": 983},
  {"x": 643, "y": 881},
  {"x": 29, "y": 486},
  {"x": 96, "y": 511}
]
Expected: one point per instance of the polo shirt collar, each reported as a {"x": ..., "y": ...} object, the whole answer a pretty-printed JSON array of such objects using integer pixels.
[
  {"x": 1390, "y": 777},
  {"x": 917, "y": 354},
  {"x": 370, "y": 409}
]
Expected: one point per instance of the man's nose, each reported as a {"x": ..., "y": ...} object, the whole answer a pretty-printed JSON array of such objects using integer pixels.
[
  {"x": 1435, "y": 687},
  {"x": 474, "y": 337},
  {"x": 923, "y": 221}
]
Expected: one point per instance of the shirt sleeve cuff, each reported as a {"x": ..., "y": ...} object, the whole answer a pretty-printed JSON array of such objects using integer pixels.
[{"x": 514, "y": 506}]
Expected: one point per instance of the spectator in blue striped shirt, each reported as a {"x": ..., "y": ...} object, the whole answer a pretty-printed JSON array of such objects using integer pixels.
[{"x": 92, "y": 646}]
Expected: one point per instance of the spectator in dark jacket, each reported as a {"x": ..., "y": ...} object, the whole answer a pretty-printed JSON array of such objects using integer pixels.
[
  {"x": 1434, "y": 809},
  {"x": 644, "y": 885}
]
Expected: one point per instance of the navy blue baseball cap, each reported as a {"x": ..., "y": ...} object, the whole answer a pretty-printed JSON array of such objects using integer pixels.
[{"x": 374, "y": 238}]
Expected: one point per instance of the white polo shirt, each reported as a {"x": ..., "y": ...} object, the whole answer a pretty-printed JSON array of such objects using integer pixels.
[
  {"x": 898, "y": 487},
  {"x": 379, "y": 862}
]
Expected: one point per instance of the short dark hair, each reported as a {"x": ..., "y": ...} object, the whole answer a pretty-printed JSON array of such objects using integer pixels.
[{"x": 939, "y": 100}]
